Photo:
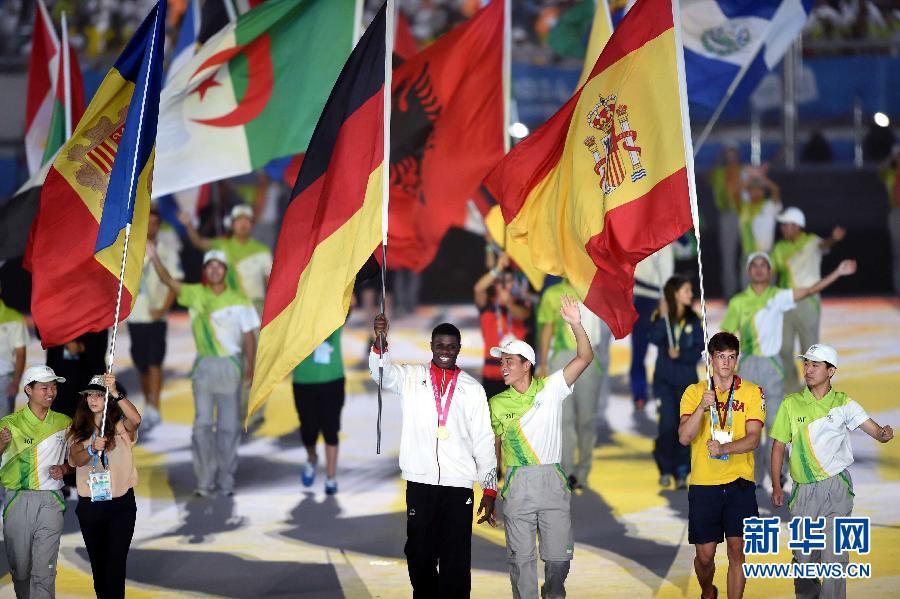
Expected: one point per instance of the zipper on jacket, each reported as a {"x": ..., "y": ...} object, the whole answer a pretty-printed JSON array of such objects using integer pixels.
[{"x": 437, "y": 459}]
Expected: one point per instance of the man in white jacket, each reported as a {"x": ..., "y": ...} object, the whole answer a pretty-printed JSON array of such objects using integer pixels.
[{"x": 446, "y": 444}]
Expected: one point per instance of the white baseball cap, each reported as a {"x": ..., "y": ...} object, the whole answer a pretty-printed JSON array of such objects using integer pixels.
[
  {"x": 515, "y": 347},
  {"x": 821, "y": 353},
  {"x": 217, "y": 255},
  {"x": 793, "y": 216},
  {"x": 241, "y": 210},
  {"x": 40, "y": 374},
  {"x": 756, "y": 255}
]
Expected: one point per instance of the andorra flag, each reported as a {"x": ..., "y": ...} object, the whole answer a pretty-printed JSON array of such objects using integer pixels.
[
  {"x": 333, "y": 221},
  {"x": 608, "y": 180},
  {"x": 98, "y": 189}
]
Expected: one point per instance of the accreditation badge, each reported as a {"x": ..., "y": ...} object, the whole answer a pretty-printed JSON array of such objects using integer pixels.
[
  {"x": 722, "y": 436},
  {"x": 100, "y": 484}
]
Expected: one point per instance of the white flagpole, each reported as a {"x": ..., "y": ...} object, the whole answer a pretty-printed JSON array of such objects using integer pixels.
[
  {"x": 507, "y": 76},
  {"x": 689, "y": 166},
  {"x": 229, "y": 9},
  {"x": 357, "y": 21},
  {"x": 131, "y": 183},
  {"x": 385, "y": 189},
  {"x": 67, "y": 79}
]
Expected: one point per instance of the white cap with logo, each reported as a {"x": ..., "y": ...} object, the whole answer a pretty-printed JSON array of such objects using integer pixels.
[
  {"x": 821, "y": 353},
  {"x": 241, "y": 210},
  {"x": 40, "y": 374},
  {"x": 756, "y": 255},
  {"x": 515, "y": 347},
  {"x": 217, "y": 255},
  {"x": 792, "y": 216}
]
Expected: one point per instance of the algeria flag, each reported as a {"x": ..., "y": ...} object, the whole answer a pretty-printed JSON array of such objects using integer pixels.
[{"x": 253, "y": 92}]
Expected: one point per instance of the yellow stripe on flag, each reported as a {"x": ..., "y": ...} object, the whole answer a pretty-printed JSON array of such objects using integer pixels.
[
  {"x": 601, "y": 30},
  {"x": 514, "y": 248},
  {"x": 568, "y": 206},
  {"x": 313, "y": 314},
  {"x": 111, "y": 257}
]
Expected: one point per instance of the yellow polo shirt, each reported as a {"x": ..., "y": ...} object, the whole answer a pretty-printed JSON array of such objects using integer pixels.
[{"x": 749, "y": 403}]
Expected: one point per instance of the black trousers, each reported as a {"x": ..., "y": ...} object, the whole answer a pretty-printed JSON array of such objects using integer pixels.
[
  {"x": 439, "y": 540},
  {"x": 319, "y": 408},
  {"x": 107, "y": 528}
]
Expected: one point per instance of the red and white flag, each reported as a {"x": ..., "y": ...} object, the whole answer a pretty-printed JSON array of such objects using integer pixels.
[{"x": 42, "y": 74}]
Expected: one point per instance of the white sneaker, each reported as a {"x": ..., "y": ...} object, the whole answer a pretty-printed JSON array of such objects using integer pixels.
[{"x": 150, "y": 418}]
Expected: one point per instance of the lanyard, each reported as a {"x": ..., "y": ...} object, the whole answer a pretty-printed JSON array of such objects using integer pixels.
[
  {"x": 714, "y": 418},
  {"x": 676, "y": 334},
  {"x": 447, "y": 399},
  {"x": 104, "y": 453},
  {"x": 498, "y": 318}
]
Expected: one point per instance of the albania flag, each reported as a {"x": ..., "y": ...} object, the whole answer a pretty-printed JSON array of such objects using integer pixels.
[{"x": 446, "y": 134}]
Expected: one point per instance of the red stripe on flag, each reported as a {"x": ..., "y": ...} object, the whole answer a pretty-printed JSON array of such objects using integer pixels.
[
  {"x": 71, "y": 295},
  {"x": 631, "y": 232},
  {"x": 647, "y": 20},
  {"x": 530, "y": 161},
  {"x": 326, "y": 205},
  {"x": 538, "y": 154},
  {"x": 98, "y": 159}
]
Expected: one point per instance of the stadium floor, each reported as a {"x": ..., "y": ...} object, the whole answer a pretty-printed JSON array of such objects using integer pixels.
[{"x": 277, "y": 539}]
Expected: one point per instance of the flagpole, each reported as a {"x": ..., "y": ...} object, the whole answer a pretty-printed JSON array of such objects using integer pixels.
[
  {"x": 67, "y": 79},
  {"x": 385, "y": 191},
  {"x": 131, "y": 183},
  {"x": 229, "y": 9},
  {"x": 724, "y": 101},
  {"x": 692, "y": 185},
  {"x": 357, "y": 21},
  {"x": 507, "y": 88}
]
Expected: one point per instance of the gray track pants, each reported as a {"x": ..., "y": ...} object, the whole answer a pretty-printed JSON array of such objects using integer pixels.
[
  {"x": 579, "y": 416},
  {"x": 802, "y": 322},
  {"x": 32, "y": 525},
  {"x": 827, "y": 499},
  {"x": 536, "y": 505},
  {"x": 768, "y": 374},
  {"x": 217, "y": 388}
]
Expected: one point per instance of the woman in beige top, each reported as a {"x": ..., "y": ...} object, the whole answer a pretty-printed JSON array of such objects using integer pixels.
[{"x": 107, "y": 518}]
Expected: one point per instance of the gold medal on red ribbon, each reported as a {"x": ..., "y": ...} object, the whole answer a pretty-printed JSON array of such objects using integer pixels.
[{"x": 443, "y": 433}]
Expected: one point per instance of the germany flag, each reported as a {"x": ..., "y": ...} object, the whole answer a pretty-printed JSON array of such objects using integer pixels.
[{"x": 333, "y": 222}]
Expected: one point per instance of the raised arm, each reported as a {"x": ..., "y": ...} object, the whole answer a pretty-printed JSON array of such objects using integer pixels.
[
  {"x": 690, "y": 423},
  {"x": 837, "y": 236},
  {"x": 380, "y": 360},
  {"x": 584, "y": 353},
  {"x": 167, "y": 279},
  {"x": 484, "y": 283},
  {"x": 132, "y": 416},
  {"x": 199, "y": 242},
  {"x": 845, "y": 268}
]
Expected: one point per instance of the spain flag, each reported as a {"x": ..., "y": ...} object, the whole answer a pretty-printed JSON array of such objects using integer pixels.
[
  {"x": 609, "y": 178},
  {"x": 97, "y": 189},
  {"x": 333, "y": 221}
]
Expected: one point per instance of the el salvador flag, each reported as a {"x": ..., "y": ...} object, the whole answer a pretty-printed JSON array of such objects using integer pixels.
[{"x": 723, "y": 37}]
